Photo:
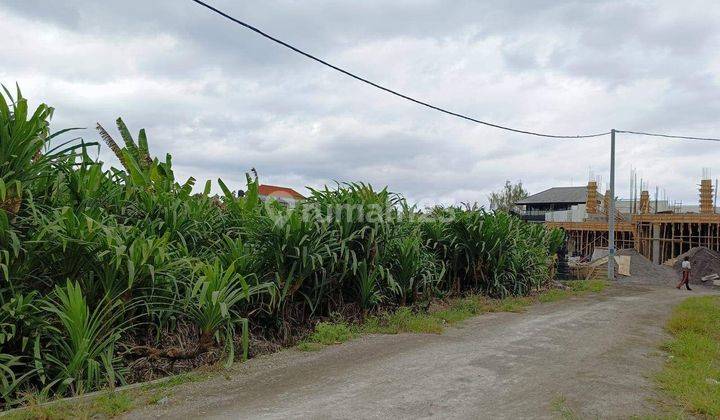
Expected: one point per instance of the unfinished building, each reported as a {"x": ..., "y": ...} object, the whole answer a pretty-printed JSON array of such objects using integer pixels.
[{"x": 654, "y": 229}]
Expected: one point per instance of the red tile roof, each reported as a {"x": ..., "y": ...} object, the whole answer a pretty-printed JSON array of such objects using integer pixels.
[{"x": 275, "y": 191}]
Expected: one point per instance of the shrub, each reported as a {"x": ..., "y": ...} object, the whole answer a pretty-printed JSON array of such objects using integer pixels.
[{"x": 101, "y": 267}]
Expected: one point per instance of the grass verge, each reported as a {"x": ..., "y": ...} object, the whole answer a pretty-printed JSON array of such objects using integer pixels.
[
  {"x": 692, "y": 373},
  {"x": 405, "y": 320},
  {"x": 109, "y": 404},
  {"x": 106, "y": 405}
]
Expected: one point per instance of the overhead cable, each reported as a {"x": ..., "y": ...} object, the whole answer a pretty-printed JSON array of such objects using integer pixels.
[
  {"x": 669, "y": 136},
  {"x": 388, "y": 90}
]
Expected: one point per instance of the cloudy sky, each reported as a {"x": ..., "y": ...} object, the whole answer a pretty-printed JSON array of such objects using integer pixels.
[{"x": 221, "y": 100}]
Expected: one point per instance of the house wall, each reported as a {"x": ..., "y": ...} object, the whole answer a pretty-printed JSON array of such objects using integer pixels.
[
  {"x": 548, "y": 206},
  {"x": 576, "y": 213}
]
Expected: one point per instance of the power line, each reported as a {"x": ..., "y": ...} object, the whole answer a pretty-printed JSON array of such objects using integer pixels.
[
  {"x": 668, "y": 136},
  {"x": 388, "y": 90},
  {"x": 426, "y": 104}
]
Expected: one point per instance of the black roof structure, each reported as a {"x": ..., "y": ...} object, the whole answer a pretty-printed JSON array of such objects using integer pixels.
[{"x": 568, "y": 195}]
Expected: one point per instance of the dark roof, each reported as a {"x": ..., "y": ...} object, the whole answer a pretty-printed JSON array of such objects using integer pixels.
[{"x": 573, "y": 195}]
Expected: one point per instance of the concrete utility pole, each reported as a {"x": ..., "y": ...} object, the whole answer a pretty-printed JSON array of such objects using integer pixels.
[{"x": 611, "y": 213}]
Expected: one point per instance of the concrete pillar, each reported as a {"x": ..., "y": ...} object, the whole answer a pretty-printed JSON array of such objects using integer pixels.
[
  {"x": 656, "y": 244},
  {"x": 644, "y": 202},
  {"x": 706, "y": 197},
  {"x": 592, "y": 200}
]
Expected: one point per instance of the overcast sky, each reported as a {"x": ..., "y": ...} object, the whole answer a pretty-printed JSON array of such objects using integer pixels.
[{"x": 221, "y": 100}]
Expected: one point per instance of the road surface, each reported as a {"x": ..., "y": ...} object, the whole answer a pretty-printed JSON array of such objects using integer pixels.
[{"x": 593, "y": 355}]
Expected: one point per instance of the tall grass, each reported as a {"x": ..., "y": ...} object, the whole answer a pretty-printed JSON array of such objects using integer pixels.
[
  {"x": 692, "y": 375},
  {"x": 103, "y": 270}
]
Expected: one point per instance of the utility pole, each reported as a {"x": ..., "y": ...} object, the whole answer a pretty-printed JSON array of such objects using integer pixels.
[{"x": 611, "y": 213}]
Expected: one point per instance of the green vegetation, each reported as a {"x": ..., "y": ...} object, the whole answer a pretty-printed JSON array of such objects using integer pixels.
[
  {"x": 506, "y": 198},
  {"x": 462, "y": 309},
  {"x": 331, "y": 333},
  {"x": 560, "y": 407},
  {"x": 512, "y": 304},
  {"x": 692, "y": 374},
  {"x": 110, "y": 276},
  {"x": 555, "y": 295},
  {"x": 405, "y": 320},
  {"x": 173, "y": 381},
  {"x": 575, "y": 288},
  {"x": 110, "y": 404},
  {"x": 401, "y": 321},
  {"x": 581, "y": 286}
]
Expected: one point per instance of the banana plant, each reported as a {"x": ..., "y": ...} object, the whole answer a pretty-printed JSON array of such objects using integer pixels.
[
  {"x": 142, "y": 170},
  {"x": 25, "y": 151}
]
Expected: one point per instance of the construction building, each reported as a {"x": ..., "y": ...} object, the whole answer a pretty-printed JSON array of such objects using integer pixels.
[
  {"x": 655, "y": 229},
  {"x": 565, "y": 202}
]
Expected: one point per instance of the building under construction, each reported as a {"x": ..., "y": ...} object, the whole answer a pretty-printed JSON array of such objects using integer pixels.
[{"x": 656, "y": 230}]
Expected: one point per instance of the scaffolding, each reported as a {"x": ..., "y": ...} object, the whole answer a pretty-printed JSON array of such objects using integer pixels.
[
  {"x": 584, "y": 237},
  {"x": 659, "y": 236}
]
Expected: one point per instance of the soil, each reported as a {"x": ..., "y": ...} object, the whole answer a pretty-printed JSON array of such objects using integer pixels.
[
  {"x": 596, "y": 353},
  {"x": 703, "y": 262}
]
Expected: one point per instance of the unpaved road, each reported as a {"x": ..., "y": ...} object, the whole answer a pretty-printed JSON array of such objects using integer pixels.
[{"x": 596, "y": 352}]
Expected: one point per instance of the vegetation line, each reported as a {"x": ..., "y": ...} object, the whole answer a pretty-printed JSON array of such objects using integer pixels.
[
  {"x": 435, "y": 320},
  {"x": 111, "y": 276},
  {"x": 106, "y": 403},
  {"x": 448, "y": 313}
]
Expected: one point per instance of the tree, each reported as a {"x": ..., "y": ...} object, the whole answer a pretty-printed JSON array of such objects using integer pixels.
[{"x": 506, "y": 198}]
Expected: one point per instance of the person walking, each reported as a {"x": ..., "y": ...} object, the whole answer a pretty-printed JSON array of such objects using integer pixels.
[{"x": 685, "y": 274}]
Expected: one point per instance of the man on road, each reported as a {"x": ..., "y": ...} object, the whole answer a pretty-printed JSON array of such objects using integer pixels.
[{"x": 685, "y": 274}]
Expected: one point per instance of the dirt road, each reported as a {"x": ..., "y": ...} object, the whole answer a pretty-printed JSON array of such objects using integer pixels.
[{"x": 596, "y": 353}]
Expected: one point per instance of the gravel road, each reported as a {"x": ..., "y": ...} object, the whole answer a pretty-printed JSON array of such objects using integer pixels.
[{"x": 595, "y": 353}]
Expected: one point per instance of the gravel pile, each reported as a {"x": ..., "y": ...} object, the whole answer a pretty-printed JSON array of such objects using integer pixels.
[
  {"x": 643, "y": 270},
  {"x": 703, "y": 262}
]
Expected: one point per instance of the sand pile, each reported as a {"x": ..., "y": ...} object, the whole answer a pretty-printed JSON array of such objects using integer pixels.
[{"x": 703, "y": 262}]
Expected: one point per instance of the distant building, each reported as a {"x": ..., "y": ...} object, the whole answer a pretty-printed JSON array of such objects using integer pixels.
[
  {"x": 658, "y": 230},
  {"x": 283, "y": 195},
  {"x": 557, "y": 199}
]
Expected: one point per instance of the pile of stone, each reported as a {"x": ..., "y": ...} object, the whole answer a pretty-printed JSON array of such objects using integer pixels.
[
  {"x": 704, "y": 262},
  {"x": 640, "y": 270},
  {"x": 645, "y": 271}
]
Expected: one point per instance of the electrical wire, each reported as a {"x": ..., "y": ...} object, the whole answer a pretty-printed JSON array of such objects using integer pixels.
[
  {"x": 669, "y": 136},
  {"x": 388, "y": 90}
]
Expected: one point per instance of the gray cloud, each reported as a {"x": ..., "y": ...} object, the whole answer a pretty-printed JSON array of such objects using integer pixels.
[{"x": 222, "y": 100}]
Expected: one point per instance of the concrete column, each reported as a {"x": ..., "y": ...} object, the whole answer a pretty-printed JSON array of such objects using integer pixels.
[
  {"x": 592, "y": 200},
  {"x": 656, "y": 244},
  {"x": 706, "y": 197}
]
